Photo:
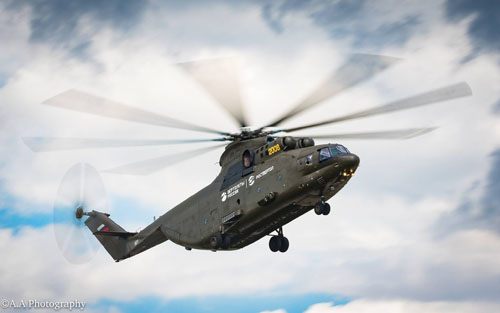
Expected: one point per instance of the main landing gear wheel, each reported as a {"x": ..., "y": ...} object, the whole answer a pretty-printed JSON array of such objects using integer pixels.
[
  {"x": 284, "y": 244},
  {"x": 81, "y": 189},
  {"x": 226, "y": 242},
  {"x": 279, "y": 243},
  {"x": 274, "y": 243},
  {"x": 216, "y": 241},
  {"x": 322, "y": 208}
]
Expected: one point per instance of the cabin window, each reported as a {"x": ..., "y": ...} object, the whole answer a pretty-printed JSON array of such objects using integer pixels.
[
  {"x": 324, "y": 154},
  {"x": 309, "y": 159},
  {"x": 247, "y": 159},
  {"x": 248, "y": 162}
]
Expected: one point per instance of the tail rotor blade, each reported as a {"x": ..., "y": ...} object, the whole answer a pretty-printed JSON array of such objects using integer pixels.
[
  {"x": 358, "y": 68},
  {"x": 81, "y": 187},
  {"x": 84, "y": 102}
]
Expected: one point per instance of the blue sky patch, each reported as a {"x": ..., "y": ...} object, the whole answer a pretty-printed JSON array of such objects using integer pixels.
[
  {"x": 220, "y": 303},
  {"x": 10, "y": 217}
]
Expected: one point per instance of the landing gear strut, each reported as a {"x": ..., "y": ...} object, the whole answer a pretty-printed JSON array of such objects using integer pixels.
[
  {"x": 279, "y": 242},
  {"x": 322, "y": 208}
]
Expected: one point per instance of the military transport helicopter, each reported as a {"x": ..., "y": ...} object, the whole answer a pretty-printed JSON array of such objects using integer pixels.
[{"x": 265, "y": 182}]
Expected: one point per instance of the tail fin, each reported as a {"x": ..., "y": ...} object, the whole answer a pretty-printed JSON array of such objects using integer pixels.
[{"x": 111, "y": 235}]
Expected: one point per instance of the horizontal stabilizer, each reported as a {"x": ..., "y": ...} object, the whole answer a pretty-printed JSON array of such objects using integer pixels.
[{"x": 122, "y": 234}]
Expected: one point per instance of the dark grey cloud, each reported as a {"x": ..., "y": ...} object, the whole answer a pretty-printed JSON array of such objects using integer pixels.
[
  {"x": 439, "y": 282},
  {"x": 3, "y": 79},
  {"x": 496, "y": 107},
  {"x": 389, "y": 34},
  {"x": 56, "y": 22},
  {"x": 345, "y": 18},
  {"x": 482, "y": 214},
  {"x": 483, "y": 29}
]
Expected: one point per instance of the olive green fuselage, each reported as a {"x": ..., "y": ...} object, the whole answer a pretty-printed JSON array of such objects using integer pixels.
[{"x": 281, "y": 185}]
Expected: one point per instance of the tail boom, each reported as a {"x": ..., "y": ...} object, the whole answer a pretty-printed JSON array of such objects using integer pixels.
[{"x": 119, "y": 243}]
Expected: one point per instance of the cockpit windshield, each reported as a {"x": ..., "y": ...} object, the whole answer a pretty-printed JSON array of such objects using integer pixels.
[
  {"x": 328, "y": 152},
  {"x": 338, "y": 149}
]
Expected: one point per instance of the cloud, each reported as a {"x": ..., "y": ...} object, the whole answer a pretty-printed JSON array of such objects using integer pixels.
[
  {"x": 401, "y": 306},
  {"x": 180, "y": 279},
  {"x": 72, "y": 24},
  {"x": 481, "y": 213},
  {"x": 485, "y": 21},
  {"x": 496, "y": 107},
  {"x": 354, "y": 20},
  {"x": 15, "y": 32},
  {"x": 379, "y": 241},
  {"x": 362, "y": 250}
]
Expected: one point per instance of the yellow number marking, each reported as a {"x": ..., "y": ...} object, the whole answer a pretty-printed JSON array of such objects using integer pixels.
[{"x": 273, "y": 149}]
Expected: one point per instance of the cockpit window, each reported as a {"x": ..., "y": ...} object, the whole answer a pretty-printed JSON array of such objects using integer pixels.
[
  {"x": 342, "y": 149},
  {"x": 338, "y": 149},
  {"x": 324, "y": 154}
]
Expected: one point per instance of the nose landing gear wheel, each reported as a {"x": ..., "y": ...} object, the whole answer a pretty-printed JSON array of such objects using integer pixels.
[
  {"x": 322, "y": 208},
  {"x": 326, "y": 209}
]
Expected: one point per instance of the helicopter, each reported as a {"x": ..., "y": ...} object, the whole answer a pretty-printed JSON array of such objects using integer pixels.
[{"x": 267, "y": 179}]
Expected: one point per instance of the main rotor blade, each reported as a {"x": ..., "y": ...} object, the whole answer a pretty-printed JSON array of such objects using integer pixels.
[
  {"x": 390, "y": 134},
  {"x": 442, "y": 94},
  {"x": 358, "y": 68},
  {"x": 150, "y": 166},
  {"x": 219, "y": 77},
  {"x": 84, "y": 102},
  {"x": 42, "y": 144}
]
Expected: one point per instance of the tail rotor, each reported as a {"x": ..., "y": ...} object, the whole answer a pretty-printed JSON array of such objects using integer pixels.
[{"x": 81, "y": 190}]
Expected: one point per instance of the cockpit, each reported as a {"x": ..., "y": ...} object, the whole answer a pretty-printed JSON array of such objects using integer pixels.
[{"x": 332, "y": 151}]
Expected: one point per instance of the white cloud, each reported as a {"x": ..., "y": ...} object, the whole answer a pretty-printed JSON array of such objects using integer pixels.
[
  {"x": 359, "y": 251},
  {"x": 402, "y": 306},
  {"x": 377, "y": 242}
]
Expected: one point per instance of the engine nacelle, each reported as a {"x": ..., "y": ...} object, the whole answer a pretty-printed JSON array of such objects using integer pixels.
[
  {"x": 305, "y": 142},
  {"x": 289, "y": 142}
]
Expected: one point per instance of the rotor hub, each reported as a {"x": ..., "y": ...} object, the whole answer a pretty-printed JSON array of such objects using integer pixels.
[{"x": 79, "y": 212}]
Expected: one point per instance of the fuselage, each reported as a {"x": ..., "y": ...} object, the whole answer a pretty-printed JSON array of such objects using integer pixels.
[{"x": 249, "y": 203}]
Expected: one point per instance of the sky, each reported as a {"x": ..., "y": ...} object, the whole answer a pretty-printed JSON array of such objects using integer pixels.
[{"x": 417, "y": 229}]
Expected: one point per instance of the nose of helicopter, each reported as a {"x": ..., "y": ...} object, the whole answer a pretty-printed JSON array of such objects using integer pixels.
[{"x": 350, "y": 161}]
